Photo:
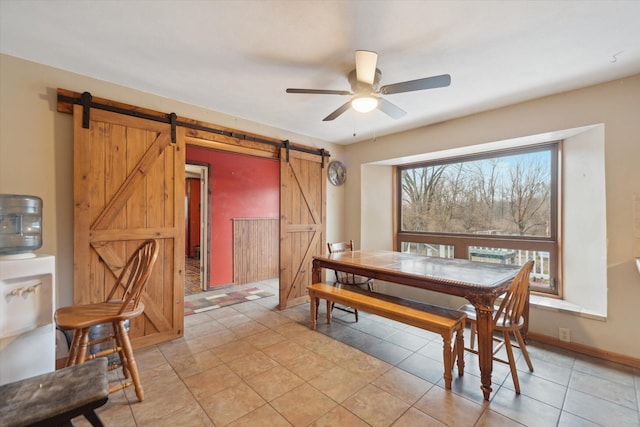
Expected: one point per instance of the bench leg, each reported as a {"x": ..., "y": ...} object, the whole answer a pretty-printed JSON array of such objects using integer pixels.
[
  {"x": 93, "y": 418},
  {"x": 448, "y": 362},
  {"x": 329, "y": 306}
]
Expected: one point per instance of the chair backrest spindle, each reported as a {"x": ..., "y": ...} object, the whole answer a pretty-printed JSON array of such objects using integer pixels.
[
  {"x": 135, "y": 275},
  {"x": 512, "y": 307},
  {"x": 335, "y": 248}
]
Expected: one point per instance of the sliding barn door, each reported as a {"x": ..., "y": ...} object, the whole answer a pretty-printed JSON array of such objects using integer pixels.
[
  {"x": 128, "y": 187},
  {"x": 302, "y": 220}
]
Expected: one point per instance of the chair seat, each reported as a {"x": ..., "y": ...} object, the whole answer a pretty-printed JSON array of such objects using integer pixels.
[
  {"x": 352, "y": 279},
  {"x": 347, "y": 279},
  {"x": 469, "y": 310},
  {"x": 501, "y": 324},
  {"x": 87, "y": 315}
]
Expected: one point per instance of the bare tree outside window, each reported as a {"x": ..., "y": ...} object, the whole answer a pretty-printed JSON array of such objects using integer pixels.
[
  {"x": 505, "y": 196},
  {"x": 497, "y": 207},
  {"x": 529, "y": 197},
  {"x": 418, "y": 193}
]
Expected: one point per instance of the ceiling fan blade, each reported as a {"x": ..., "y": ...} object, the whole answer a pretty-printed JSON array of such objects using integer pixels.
[
  {"x": 366, "y": 66},
  {"x": 320, "y": 91},
  {"x": 390, "y": 109},
  {"x": 419, "y": 84},
  {"x": 344, "y": 107}
]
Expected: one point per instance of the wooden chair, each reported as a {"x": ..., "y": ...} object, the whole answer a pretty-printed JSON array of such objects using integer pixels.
[
  {"x": 508, "y": 318},
  {"x": 348, "y": 279},
  {"x": 122, "y": 303}
]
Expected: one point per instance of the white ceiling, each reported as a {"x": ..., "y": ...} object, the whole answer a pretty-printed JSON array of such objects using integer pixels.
[{"x": 238, "y": 57}]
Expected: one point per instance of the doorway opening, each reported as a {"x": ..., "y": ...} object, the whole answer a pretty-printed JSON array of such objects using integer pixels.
[{"x": 196, "y": 229}]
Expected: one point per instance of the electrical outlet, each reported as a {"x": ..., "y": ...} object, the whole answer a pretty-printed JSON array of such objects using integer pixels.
[{"x": 564, "y": 334}]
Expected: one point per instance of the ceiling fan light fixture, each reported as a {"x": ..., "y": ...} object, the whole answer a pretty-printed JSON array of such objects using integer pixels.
[
  {"x": 364, "y": 104},
  {"x": 364, "y": 81}
]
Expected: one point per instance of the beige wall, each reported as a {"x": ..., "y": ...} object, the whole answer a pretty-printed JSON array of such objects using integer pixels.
[
  {"x": 36, "y": 158},
  {"x": 36, "y": 148},
  {"x": 616, "y": 105}
]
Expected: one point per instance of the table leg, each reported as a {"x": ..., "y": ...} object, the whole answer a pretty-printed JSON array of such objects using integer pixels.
[
  {"x": 313, "y": 304},
  {"x": 316, "y": 273},
  {"x": 484, "y": 323},
  {"x": 316, "y": 277}
]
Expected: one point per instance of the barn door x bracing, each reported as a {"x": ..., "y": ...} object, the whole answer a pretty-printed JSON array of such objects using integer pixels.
[
  {"x": 128, "y": 187},
  {"x": 302, "y": 218}
]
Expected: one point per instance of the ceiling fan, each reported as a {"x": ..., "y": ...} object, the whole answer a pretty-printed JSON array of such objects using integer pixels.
[{"x": 364, "y": 82}]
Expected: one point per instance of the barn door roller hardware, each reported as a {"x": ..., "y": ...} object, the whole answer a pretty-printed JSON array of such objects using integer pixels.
[
  {"x": 286, "y": 147},
  {"x": 172, "y": 120},
  {"x": 86, "y": 108}
]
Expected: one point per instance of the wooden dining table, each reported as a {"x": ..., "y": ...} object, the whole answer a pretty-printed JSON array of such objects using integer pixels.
[{"x": 480, "y": 283}]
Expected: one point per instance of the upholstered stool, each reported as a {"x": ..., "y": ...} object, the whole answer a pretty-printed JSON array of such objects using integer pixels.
[{"x": 53, "y": 399}]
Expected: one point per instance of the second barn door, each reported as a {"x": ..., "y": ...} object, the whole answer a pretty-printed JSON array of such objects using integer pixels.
[{"x": 302, "y": 221}]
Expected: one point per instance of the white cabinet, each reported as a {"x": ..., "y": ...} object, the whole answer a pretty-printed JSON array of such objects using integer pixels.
[{"x": 27, "y": 330}]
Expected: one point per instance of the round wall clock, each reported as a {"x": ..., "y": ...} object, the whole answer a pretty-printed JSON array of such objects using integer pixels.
[{"x": 337, "y": 173}]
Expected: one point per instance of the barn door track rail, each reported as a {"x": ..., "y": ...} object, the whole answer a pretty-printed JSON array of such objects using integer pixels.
[{"x": 66, "y": 100}]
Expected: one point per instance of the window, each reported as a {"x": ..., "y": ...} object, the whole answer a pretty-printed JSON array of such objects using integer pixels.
[{"x": 498, "y": 207}]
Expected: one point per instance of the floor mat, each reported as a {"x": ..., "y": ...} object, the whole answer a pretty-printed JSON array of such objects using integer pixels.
[
  {"x": 198, "y": 305},
  {"x": 192, "y": 276}
]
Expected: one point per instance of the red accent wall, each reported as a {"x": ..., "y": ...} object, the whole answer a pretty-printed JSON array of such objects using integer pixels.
[{"x": 241, "y": 186}]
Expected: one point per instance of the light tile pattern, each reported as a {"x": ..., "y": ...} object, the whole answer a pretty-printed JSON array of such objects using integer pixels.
[{"x": 253, "y": 365}]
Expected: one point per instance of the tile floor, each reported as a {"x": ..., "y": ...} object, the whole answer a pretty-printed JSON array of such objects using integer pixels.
[{"x": 253, "y": 365}]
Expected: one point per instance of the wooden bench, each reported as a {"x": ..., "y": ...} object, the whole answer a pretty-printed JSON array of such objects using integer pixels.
[
  {"x": 55, "y": 398},
  {"x": 432, "y": 318}
]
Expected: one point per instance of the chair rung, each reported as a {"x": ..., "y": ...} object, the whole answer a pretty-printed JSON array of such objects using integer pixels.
[
  {"x": 120, "y": 386},
  {"x": 104, "y": 353},
  {"x": 101, "y": 340},
  {"x": 498, "y": 347},
  {"x": 497, "y": 359},
  {"x": 344, "y": 309}
]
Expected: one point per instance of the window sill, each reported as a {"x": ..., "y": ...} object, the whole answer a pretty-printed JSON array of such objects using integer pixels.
[{"x": 561, "y": 306}]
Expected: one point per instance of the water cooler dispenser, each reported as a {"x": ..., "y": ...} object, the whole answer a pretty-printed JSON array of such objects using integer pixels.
[{"x": 27, "y": 290}]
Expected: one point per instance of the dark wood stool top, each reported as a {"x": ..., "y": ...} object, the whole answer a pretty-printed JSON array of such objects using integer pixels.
[{"x": 55, "y": 398}]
